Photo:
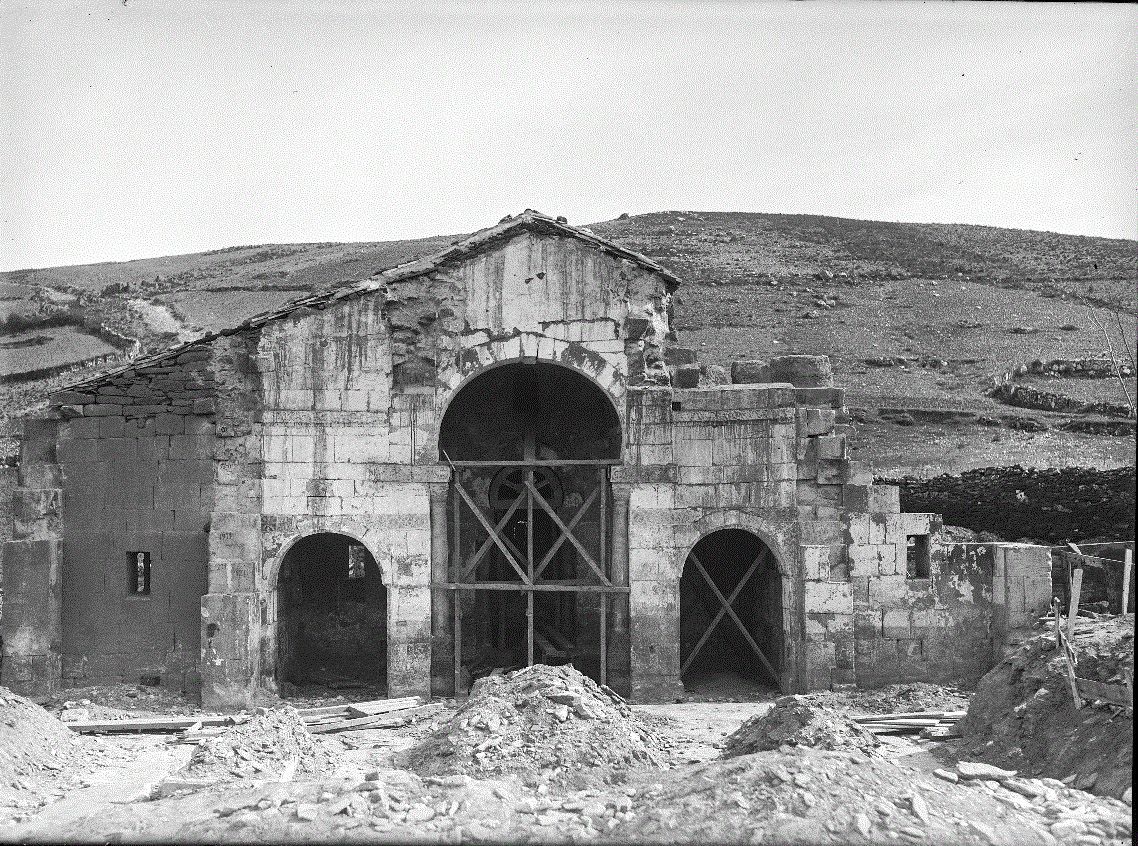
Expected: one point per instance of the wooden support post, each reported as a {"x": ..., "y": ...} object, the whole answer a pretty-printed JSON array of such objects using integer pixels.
[
  {"x": 1073, "y": 605},
  {"x": 1062, "y": 645},
  {"x": 529, "y": 628},
  {"x": 602, "y": 484},
  {"x": 442, "y": 638},
  {"x": 604, "y": 638},
  {"x": 1127, "y": 567},
  {"x": 458, "y": 691},
  {"x": 619, "y": 562}
]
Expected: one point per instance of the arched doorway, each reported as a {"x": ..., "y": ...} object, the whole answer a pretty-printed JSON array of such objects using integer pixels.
[
  {"x": 731, "y": 618},
  {"x": 530, "y": 445},
  {"x": 331, "y": 617}
]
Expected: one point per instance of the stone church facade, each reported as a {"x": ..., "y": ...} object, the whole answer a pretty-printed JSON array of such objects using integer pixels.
[{"x": 496, "y": 455}]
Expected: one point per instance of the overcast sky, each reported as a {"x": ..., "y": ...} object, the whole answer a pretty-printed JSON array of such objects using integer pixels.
[{"x": 154, "y": 127}]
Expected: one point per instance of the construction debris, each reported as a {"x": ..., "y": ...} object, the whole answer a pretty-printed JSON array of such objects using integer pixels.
[
  {"x": 796, "y": 721},
  {"x": 540, "y": 723},
  {"x": 928, "y": 724},
  {"x": 275, "y": 744},
  {"x": 34, "y": 746}
]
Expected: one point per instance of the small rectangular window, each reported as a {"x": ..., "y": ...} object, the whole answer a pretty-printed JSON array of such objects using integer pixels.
[
  {"x": 138, "y": 564},
  {"x": 357, "y": 554},
  {"x": 917, "y": 556}
]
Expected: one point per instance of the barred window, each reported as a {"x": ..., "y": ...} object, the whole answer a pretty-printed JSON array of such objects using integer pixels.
[{"x": 138, "y": 569}]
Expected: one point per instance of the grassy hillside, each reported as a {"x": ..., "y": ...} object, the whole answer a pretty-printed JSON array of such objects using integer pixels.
[{"x": 914, "y": 315}]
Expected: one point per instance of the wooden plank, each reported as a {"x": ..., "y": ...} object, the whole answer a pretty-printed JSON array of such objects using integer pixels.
[
  {"x": 721, "y": 613},
  {"x": 1115, "y": 694},
  {"x": 1076, "y": 592},
  {"x": 561, "y": 462},
  {"x": 323, "y": 710},
  {"x": 571, "y": 587},
  {"x": 401, "y": 718},
  {"x": 383, "y": 706},
  {"x": 1127, "y": 566},
  {"x": 154, "y": 724},
  {"x": 912, "y": 723},
  {"x": 909, "y": 715}
]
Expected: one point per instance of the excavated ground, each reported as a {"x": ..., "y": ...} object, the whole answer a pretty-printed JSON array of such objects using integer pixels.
[
  {"x": 1023, "y": 714},
  {"x": 690, "y": 777}
]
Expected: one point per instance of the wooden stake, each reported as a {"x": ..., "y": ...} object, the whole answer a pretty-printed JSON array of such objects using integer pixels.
[
  {"x": 1073, "y": 605},
  {"x": 1127, "y": 566}
]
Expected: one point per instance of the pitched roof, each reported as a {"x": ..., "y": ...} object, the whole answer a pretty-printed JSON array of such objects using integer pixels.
[{"x": 530, "y": 220}]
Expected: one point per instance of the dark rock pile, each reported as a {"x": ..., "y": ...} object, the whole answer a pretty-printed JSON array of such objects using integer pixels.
[{"x": 1050, "y": 505}]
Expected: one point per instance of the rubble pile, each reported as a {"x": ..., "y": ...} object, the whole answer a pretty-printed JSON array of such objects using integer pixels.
[
  {"x": 539, "y": 722},
  {"x": 796, "y": 721},
  {"x": 34, "y": 745},
  {"x": 1023, "y": 715},
  {"x": 273, "y": 744},
  {"x": 811, "y": 796}
]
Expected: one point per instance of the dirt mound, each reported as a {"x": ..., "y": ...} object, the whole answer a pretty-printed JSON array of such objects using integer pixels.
[
  {"x": 1023, "y": 716},
  {"x": 273, "y": 744},
  {"x": 811, "y": 796},
  {"x": 539, "y": 722},
  {"x": 34, "y": 746},
  {"x": 796, "y": 721}
]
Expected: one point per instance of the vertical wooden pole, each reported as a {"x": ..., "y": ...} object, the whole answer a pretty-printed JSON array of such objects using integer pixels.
[
  {"x": 529, "y": 628},
  {"x": 458, "y": 691},
  {"x": 1127, "y": 567},
  {"x": 442, "y": 636},
  {"x": 529, "y": 562},
  {"x": 604, "y": 638},
  {"x": 603, "y": 557}
]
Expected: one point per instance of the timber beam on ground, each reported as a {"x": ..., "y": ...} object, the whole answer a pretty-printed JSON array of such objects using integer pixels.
[{"x": 573, "y": 587}]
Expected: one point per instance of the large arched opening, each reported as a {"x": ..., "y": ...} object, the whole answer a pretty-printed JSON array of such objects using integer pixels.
[
  {"x": 731, "y": 616},
  {"x": 530, "y": 446},
  {"x": 331, "y": 618}
]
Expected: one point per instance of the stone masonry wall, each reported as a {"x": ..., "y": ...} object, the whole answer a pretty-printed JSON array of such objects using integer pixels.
[{"x": 137, "y": 472}]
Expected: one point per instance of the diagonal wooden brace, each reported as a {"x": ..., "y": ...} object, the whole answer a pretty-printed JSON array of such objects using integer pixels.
[
  {"x": 486, "y": 544},
  {"x": 722, "y": 611},
  {"x": 494, "y": 535},
  {"x": 564, "y": 536},
  {"x": 731, "y": 612},
  {"x": 548, "y": 509}
]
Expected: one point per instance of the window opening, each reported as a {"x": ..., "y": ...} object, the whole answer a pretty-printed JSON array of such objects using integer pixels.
[
  {"x": 357, "y": 556},
  {"x": 917, "y": 556},
  {"x": 139, "y": 570}
]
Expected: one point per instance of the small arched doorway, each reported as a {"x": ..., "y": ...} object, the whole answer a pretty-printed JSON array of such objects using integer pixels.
[
  {"x": 731, "y": 616},
  {"x": 331, "y": 617},
  {"x": 530, "y": 445}
]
